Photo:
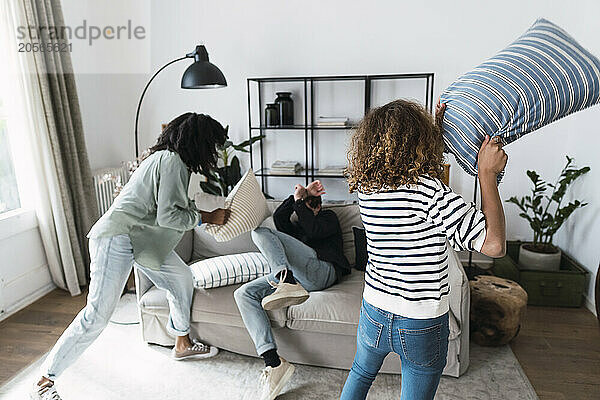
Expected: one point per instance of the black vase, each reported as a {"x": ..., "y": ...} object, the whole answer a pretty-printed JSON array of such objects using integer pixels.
[
  {"x": 272, "y": 114},
  {"x": 286, "y": 108}
]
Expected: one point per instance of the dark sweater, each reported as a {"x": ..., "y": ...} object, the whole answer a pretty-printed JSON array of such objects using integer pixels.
[{"x": 322, "y": 232}]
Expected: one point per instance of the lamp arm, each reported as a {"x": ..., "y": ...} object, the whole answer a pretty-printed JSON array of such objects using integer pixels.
[{"x": 137, "y": 113}]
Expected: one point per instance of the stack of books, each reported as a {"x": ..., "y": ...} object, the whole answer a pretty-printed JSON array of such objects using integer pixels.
[
  {"x": 332, "y": 121},
  {"x": 332, "y": 170},
  {"x": 286, "y": 167}
]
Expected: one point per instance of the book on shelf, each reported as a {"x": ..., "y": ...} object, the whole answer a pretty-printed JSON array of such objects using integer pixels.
[
  {"x": 332, "y": 170},
  {"x": 286, "y": 167},
  {"x": 332, "y": 121}
]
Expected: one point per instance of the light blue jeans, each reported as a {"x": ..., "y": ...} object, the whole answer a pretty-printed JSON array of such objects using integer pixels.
[
  {"x": 111, "y": 263},
  {"x": 281, "y": 251},
  {"x": 422, "y": 345}
]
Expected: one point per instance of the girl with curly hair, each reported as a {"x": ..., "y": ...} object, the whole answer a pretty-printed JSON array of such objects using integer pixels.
[
  {"x": 141, "y": 228},
  {"x": 395, "y": 165}
]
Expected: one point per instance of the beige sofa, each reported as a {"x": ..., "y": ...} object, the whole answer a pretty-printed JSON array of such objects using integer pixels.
[{"x": 321, "y": 331}]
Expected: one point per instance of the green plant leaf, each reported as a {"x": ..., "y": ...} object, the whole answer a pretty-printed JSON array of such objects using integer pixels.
[
  {"x": 225, "y": 146},
  {"x": 210, "y": 188},
  {"x": 234, "y": 174},
  {"x": 533, "y": 176},
  {"x": 243, "y": 145},
  {"x": 527, "y": 217}
]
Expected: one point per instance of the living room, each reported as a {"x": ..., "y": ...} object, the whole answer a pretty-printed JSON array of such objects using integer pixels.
[{"x": 486, "y": 115}]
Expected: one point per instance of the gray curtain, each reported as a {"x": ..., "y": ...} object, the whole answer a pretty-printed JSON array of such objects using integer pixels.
[{"x": 63, "y": 118}]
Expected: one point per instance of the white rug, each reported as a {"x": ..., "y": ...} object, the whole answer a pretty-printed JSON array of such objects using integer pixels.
[{"x": 120, "y": 366}]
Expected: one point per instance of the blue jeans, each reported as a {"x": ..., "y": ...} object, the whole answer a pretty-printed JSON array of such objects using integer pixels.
[
  {"x": 281, "y": 251},
  {"x": 111, "y": 263},
  {"x": 422, "y": 345}
]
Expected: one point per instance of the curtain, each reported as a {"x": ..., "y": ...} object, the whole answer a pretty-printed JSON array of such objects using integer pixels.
[{"x": 49, "y": 143}]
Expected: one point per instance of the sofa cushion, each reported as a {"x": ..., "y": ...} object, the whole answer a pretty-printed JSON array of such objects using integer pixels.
[
  {"x": 205, "y": 246},
  {"x": 349, "y": 216},
  {"x": 216, "y": 306},
  {"x": 336, "y": 310},
  {"x": 185, "y": 246},
  {"x": 333, "y": 310},
  {"x": 360, "y": 248}
]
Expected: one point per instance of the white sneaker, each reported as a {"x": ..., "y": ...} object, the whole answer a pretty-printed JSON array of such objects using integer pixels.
[
  {"x": 196, "y": 351},
  {"x": 47, "y": 392},
  {"x": 273, "y": 380},
  {"x": 285, "y": 295}
]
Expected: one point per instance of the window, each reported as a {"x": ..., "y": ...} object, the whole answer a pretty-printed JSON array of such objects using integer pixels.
[{"x": 9, "y": 192}]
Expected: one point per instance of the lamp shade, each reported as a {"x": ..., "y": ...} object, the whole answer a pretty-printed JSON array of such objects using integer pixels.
[{"x": 202, "y": 74}]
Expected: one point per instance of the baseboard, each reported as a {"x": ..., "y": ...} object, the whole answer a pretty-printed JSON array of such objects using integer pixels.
[
  {"x": 589, "y": 305},
  {"x": 32, "y": 298}
]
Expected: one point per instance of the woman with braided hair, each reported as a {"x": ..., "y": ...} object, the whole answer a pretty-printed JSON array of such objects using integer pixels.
[{"x": 142, "y": 227}]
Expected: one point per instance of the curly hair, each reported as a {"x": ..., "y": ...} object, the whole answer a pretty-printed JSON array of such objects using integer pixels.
[
  {"x": 195, "y": 138},
  {"x": 393, "y": 145}
]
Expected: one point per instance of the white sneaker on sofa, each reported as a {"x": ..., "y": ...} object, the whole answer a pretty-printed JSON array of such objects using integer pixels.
[{"x": 285, "y": 295}]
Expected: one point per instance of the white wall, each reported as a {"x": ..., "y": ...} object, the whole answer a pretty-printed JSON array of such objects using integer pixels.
[
  {"x": 24, "y": 274},
  {"x": 277, "y": 38}
]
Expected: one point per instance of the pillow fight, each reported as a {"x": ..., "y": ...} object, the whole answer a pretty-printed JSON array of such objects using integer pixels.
[{"x": 395, "y": 166}]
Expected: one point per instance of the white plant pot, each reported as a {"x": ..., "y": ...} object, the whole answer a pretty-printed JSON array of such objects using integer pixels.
[{"x": 539, "y": 261}]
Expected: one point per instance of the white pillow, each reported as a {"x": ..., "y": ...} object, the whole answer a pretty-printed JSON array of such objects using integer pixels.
[
  {"x": 229, "y": 270},
  {"x": 248, "y": 210}
]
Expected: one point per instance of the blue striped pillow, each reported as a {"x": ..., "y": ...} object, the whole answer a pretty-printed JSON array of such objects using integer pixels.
[{"x": 541, "y": 77}]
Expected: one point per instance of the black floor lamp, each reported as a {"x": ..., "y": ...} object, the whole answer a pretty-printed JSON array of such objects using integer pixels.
[{"x": 200, "y": 75}]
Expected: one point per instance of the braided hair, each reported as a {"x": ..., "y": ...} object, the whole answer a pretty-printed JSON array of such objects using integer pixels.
[{"x": 195, "y": 138}]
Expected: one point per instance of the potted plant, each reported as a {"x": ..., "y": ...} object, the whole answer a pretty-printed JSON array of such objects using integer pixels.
[
  {"x": 222, "y": 179},
  {"x": 541, "y": 254}
]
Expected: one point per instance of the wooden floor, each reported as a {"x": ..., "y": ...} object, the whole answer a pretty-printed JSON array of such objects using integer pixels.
[
  {"x": 558, "y": 348},
  {"x": 31, "y": 332}
]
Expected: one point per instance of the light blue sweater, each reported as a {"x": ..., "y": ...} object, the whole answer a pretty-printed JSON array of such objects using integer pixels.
[{"x": 153, "y": 209}]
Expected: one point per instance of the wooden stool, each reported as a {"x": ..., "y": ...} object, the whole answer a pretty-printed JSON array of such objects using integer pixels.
[{"x": 497, "y": 307}]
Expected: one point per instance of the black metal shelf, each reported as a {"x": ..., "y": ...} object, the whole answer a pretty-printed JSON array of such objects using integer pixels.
[
  {"x": 301, "y": 174},
  {"x": 310, "y": 126},
  {"x": 324, "y": 176},
  {"x": 423, "y": 75},
  {"x": 267, "y": 172}
]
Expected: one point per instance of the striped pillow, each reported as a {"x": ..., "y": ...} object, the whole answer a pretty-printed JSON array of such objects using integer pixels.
[
  {"x": 541, "y": 77},
  {"x": 229, "y": 270},
  {"x": 248, "y": 210}
]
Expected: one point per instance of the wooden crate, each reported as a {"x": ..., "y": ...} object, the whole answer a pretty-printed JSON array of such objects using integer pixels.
[{"x": 562, "y": 288}]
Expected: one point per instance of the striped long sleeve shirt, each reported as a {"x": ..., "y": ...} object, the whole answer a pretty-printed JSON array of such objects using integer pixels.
[{"x": 407, "y": 232}]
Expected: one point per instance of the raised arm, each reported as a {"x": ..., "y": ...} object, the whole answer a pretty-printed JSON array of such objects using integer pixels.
[
  {"x": 491, "y": 161},
  {"x": 281, "y": 216}
]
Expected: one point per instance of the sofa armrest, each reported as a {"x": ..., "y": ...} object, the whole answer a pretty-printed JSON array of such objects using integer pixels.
[{"x": 459, "y": 290}]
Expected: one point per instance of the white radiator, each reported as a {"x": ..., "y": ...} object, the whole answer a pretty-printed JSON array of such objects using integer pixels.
[{"x": 106, "y": 180}]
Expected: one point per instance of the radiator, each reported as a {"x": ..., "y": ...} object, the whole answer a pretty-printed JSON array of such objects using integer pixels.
[{"x": 106, "y": 180}]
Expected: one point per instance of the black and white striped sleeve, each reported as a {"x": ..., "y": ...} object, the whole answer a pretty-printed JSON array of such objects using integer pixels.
[{"x": 462, "y": 223}]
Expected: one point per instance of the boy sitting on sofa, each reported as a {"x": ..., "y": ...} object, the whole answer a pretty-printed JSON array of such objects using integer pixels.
[{"x": 305, "y": 256}]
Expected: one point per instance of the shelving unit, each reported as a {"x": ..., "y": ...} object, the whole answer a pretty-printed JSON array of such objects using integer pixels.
[{"x": 310, "y": 129}]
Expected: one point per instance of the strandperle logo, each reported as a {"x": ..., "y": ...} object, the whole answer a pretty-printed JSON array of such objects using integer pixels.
[{"x": 83, "y": 31}]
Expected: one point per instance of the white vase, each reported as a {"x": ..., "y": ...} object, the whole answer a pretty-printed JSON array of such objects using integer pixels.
[{"x": 539, "y": 261}]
